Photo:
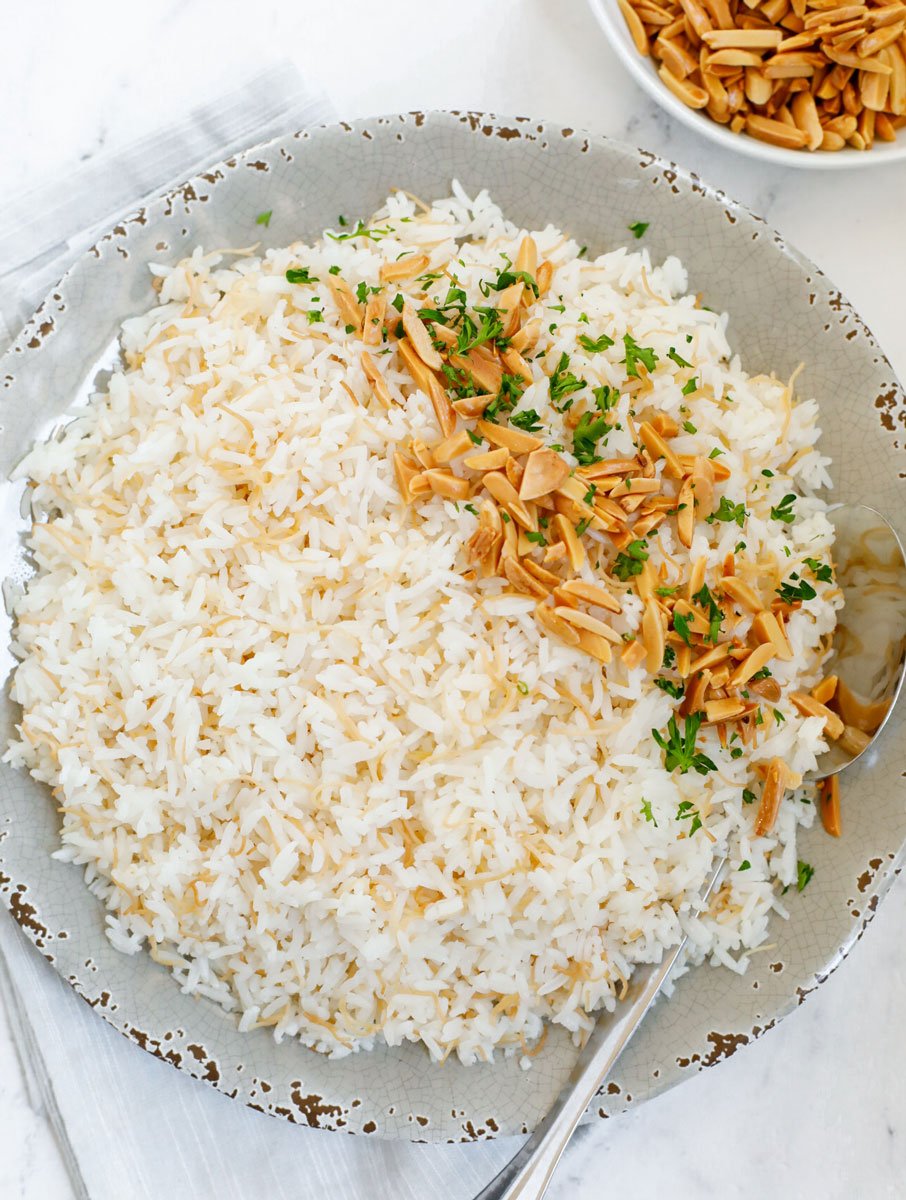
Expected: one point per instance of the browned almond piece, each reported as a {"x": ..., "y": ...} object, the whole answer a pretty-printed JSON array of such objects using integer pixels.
[
  {"x": 810, "y": 707},
  {"x": 591, "y": 593},
  {"x": 824, "y": 691},
  {"x": 551, "y": 623},
  {"x": 743, "y": 39},
  {"x": 348, "y": 307},
  {"x": 767, "y": 628},
  {"x": 516, "y": 365},
  {"x": 488, "y": 460},
  {"x": 376, "y": 379},
  {"x": 768, "y": 688},
  {"x": 548, "y": 578},
  {"x": 654, "y": 637},
  {"x": 443, "y": 333},
  {"x": 635, "y": 486},
  {"x": 566, "y": 532},
  {"x": 527, "y": 256},
  {"x": 555, "y": 552},
  {"x": 664, "y": 425},
  {"x": 853, "y": 740},
  {"x": 866, "y": 716},
  {"x": 443, "y": 409},
  {"x": 609, "y": 467},
  {"x": 420, "y": 373},
  {"x": 513, "y": 439},
  {"x": 594, "y": 645},
  {"x": 775, "y": 784},
  {"x": 711, "y": 658},
  {"x": 685, "y": 516},
  {"x": 514, "y": 472},
  {"x": 776, "y": 132},
  {"x": 452, "y": 447},
  {"x": 741, "y": 593},
  {"x": 404, "y": 268},
  {"x": 448, "y": 485},
  {"x": 374, "y": 319},
  {"x": 690, "y": 93},
  {"x": 635, "y": 26},
  {"x": 829, "y": 805},
  {"x": 405, "y": 469},
  {"x": 423, "y": 453},
  {"x": 482, "y": 547},
  {"x": 723, "y": 710},
  {"x": 510, "y": 546},
  {"x": 734, "y": 58},
  {"x": 633, "y": 655},
  {"x": 544, "y": 471},
  {"x": 719, "y": 469},
  {"x": 544, "y": 276},
  {"x": 420, "y": 338},
  {"x": 698, "y": 624},
  {"x": 757, "y": 660},
  {"x": 694, "y": 700},
  {"x": 419, "y": 486},
  {"x": 504, "y": 493},
  {"x": 583, "y": 620},
  {"x": 517, "y": 575},
  {"x": 485, "y": 374},
  {"x": 696, "y": 577},
  {"x": 470, "y": 407},
  {"x": 525, "y": 338}
]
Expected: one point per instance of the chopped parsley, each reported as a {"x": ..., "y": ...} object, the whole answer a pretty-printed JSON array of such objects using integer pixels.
[
  {"x": 647, "y": 813},
  {"x": 363, "y": 291},
  {"x": 300, "y": 275},
  {"x": 690, "y": 386},
  {"x": 677, "y": 358},
  {"x": 689, "y": 427},
  {"x": 666, "y": 591},
  {"x": 470, "y": 508},
  {"x": 333, "y": 270},
  {"x": 589, "y": 496},
  {"x": 679, "y": 748},
  {"x": 585, "y": 437},
  {"x": 506, "y": 279},
  {"x": 582, "y": 526},
  {"x": 488, "y": 329},
  {"x": 631, "y": 561},
  {"x": 748, "y": 796},
  {"x": 716, "y": 452},
  {"x": 822, "y": 571},
  {"x": 799, "y": 589},
  {"x": 563, "y": 383},
  {"x": 804, "y": 873},
  {"x": 264, "y": 218},
  {"x": 669, "y": 658},
  {"x": 314, "y": 315},
  {"x": 784, "y": 510},
  {"x": 636, "y": 354},
  {"x": 778, "y": 716},
  {"x": 526, "y": 420},
  {"x": 595, "y": 345},
  {"x": 767, "y": 474},
  {"x": 361, "y": 230},
  {"x": 745, "y": 865},
  {"x": 728, "y": 511},
  {"x": 522, "y": 688},
  {"x": 715, "y": 616},
  {"x": 538, "y": 538},
  {"x": 675, "y": 690},
  {"x": 681, "y": 625},
  {"x": 687, "y": 811},
  {"x": 508, "y": 396},
  {"x": 764, "y": 673},
  {"x": 475, "y": 438},
  {"x": 637, "y": 228},
  {"x": 605, "y": 397}
]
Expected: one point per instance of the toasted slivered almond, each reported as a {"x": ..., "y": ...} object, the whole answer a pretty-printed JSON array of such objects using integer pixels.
[
  {"x": 376, "y": 379},
  {"x": 348, "y": 307},
  {"x": 527, "y": 257},
  {"x": 694, "y": 699},
  {"x": 487, "y": 460},
  {"x": 423, "y": 453},
  {"x": 419, "y": 485},
  {"x": 647, "y": 523},
  {"x": 544, "y": 471},
  {"x": 734, "y": 58},
  {"x": 824, "y": 691},
  {"x": 767, "y": 628},
  {"x": 510, "y": 546},
  {"x": 482, "y": 371},
  {"x": 595, "y": 645},
  {"x": 775, "y": 132},
  {"x": 520, "y": 578},
  {"x": 609, "y": 467},
  {"x": 374, "y": 319},
  {"x": 404, "y": 268},
  {"x": 420, "y": 373},
  {"x": 697, "y": 621},
  {"x": 723, "y": 710},
  {"x": 635, "y": 486},
  {"x": 470, "y": 407},
  {"x": 544, "y": 277},
  {"x": 743, "y": 39},
  {"x": 768, "y": 688},
  {"x": 866, "y": 716},
  {"x": 513, "y": 439},
  {"x": 418, "y": 335},
  {"x": 504, "y": 493},
  {"x": 584, "y": 620},
  {"x": 525, "y": 338},
  {"x": 551, "y": 623},
  {"x": 829, "y": 805},
  {"x": 405, "y": 469},
  {"x": 690, "y": 93},
  {"x": 756, "y": 661},
  {"x": 685, "y": 515},
  {"x": 566, "y": 532},
  {"x": 555, "y": 552},
  {"x": 696, "y": 577},
  {"x": 853, "y": 741},
  {"x": 653, "y": 636},
  {"x": 448, "y": 485},
  {"x": 635, "y": 26},
  {"x": 775, "y": 784},
  {"x": 633, "y": 655},
  {"x": 548, "y": 578},
  {"x": 516, "y": 365},
  {"x": 741, "y": 593},
  {"x": 452, "y": 447},
  {"x": 443, "y": 333},
  {"x": 711, "y": 658},
  {"x": 591, "y": 593},
  {"x": 665, "y": 426},
  {"x": 443, "y": 409},
  {"x": 810, "y": 707}
]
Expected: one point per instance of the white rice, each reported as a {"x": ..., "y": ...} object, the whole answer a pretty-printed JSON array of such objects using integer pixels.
[{"x": 289, "y": 739}]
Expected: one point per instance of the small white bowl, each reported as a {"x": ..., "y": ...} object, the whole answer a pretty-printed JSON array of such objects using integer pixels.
[{"x": 644, "y": 71}]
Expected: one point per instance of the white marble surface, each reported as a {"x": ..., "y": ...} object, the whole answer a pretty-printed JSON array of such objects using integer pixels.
[{"x": 818, "y": 1107}]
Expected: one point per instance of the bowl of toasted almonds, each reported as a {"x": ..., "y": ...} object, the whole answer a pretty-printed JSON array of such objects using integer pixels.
[{"x": 805, "y": 83}]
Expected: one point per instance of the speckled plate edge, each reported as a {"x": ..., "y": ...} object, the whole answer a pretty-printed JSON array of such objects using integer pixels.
[{"x": 397, "y": 1093}]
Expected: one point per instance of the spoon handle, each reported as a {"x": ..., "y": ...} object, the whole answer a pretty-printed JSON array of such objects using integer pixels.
[{"x": 528, "y": 1173}]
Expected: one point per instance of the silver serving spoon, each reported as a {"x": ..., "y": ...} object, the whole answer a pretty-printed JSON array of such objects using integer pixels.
[{"x": 868, "y": 657}]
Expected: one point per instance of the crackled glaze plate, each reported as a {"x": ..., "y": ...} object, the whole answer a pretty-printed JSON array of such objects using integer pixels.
[{"x": 782, "y": 312}]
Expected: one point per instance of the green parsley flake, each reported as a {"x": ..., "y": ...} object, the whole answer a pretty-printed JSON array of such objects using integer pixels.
[
  {"x": 784, "y": 510},
  {"x": 638, "y": 228},
  {"x": 647, "y": 813},
  {"x": 300, "y": 275},
  {"x": 630, "y": 562},
  {"x": 804, "y": 873},
  {"x": 264, "y": 218},
  {"x": 636, "y": 354},
  {"x": 679, "y": 748},
  {"x": 595, "y": 345}
]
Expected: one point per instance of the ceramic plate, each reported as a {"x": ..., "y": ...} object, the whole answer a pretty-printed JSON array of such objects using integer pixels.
[{"x": 783, "y": 312}]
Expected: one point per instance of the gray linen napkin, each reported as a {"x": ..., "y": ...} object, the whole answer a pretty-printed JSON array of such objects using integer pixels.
[{"x": 130, "y": 1127}]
